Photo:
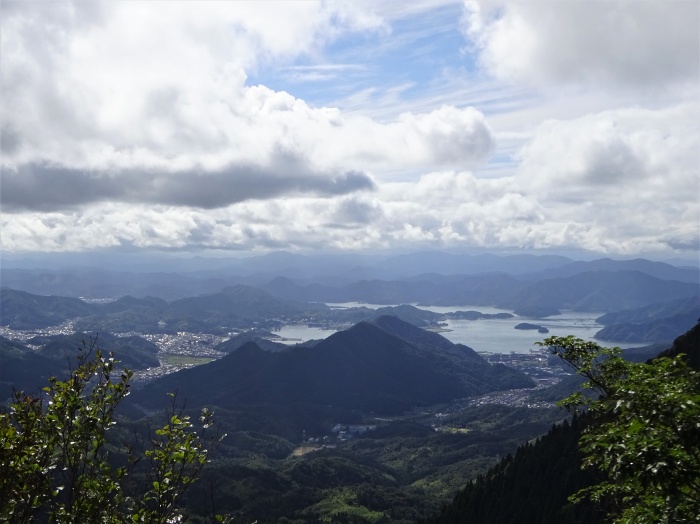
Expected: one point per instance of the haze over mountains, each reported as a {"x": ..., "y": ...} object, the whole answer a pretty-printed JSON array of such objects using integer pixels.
[
  {"x": 282, "y": 290},
  {"x": 177, "y": 278}
]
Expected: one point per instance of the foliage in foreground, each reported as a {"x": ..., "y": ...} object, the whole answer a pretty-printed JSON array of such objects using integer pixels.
[
  {"x": 645, "y": 435},
  {"x": 54, "y": 459}
]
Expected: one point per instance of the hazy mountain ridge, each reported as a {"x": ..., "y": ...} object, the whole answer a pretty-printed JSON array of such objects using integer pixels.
[
  {"x": 660, "y": 270},
  {"x": 241, "y": 306},
  {"x": 603, "y": 291},
  {"x": 317, "y": 278},
  {"x": 588, "y": 291},
  {"x": 653, "y": 331},
  {"x": 656, "y": 311},
  {"x": 655, "y": 323}
]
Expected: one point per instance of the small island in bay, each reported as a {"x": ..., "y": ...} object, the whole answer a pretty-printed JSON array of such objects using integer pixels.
[{"x": 527, "y": 326}]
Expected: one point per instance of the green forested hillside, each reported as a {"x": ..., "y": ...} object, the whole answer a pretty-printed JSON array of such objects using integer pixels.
[
  {"x": 365, "y": 369},
  {"x": 403, "y": 471},
  {"x": 534, "y": 485},
  {"x": 385, "y": 368},
  {"x": 531, "y": 486},
  {"x": 28, "y": 368},
  {"x": 22, "y": 310}
]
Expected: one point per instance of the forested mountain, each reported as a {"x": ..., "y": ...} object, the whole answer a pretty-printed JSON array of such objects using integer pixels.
[
  {"x": 534, "y": 485},
  {"x": 654, "y": 312},
  {"x": 687, "y": 344},
  {"x": 28, "y": 366},
  {"x": 22, "y": 310},
  {"x": 233, "y": 307},
  {"x": 531, "y": 486},
  {"x": 603, "y": 291},
  {"x": 653, "y": 331},
  {"x": 237, "y": 307},
  {"x": 654, "y": 323},
  {"x": 386, "y": 367}
]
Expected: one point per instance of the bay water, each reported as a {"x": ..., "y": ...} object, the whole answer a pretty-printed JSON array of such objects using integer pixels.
[{"x": 492, "y": 335}]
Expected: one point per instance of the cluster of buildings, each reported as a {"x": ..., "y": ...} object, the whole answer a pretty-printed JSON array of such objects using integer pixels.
[
  {"x": 66, "y": 328},
  {"x": 186, "y": 343}
]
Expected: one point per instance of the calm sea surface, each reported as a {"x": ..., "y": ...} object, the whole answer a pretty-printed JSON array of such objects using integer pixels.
[{"x": 493, "y": 335}]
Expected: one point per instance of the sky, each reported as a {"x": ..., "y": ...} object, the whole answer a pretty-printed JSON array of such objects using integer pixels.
[{"x": 350, "y": 126}]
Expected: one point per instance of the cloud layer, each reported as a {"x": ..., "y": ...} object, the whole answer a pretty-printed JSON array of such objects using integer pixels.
[
  {"x": 604, "y": 43},
  {"x": 163, "y": 114},
  {"x": 566, "y": 125}
]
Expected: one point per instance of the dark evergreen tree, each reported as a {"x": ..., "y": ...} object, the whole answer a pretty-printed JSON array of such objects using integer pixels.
[{"x": 532, "y": 486}]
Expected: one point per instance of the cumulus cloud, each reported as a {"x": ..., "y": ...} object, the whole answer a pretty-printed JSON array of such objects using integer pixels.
[
  {"x": 628, "y": 153},
  {"x": 637, "y": 44},
  {"x": 135, "y": 124},
  {"x": 357, "y": 212},
  {"x": 162, "y": 113},
  {"x": 444, "y": 209},
  {"x": 630, "y": 175},
  {"x": 49, "y": 188}
]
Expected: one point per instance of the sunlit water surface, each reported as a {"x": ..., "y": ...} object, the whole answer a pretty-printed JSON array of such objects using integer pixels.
[{"x": 492, "y": 335}]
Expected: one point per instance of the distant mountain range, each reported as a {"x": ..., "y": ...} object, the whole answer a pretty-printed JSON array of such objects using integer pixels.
[
  {"x": 283, "y": 301},
  {"x": 659, "y": 270},
  {"x": 180, "y": 278},
  {"x": 659, "y": 322},
  {"x": 590, "y": 291},
  {"x": 603, "y": 291},
  {"x": 234, "y": 308}
]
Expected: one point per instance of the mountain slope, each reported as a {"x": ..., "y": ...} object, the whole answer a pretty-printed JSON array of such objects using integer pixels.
[
  {"x": 28, "y": 368},
  {"x": 603, "y": 291},
  {"x": 472, "y": 370},
  {"x": 655, "y": 269},
  {"x": 534, "y": 485},
  {"x": 655, "y": 323},
  {"x": 22, "y": 310},
  {"x": 364, "y": 368},
  {"x": 687, "y": 344}
]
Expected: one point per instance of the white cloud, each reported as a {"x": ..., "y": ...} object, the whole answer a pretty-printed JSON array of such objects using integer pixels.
[
  {"x": 445, "y": 209},
  {"x": 147, "y": 102},
  {"x": 639, "y": 153},
  {"x": 134, "y": 124},
  {"x": 630, "y": 175},
  {"x": 638, "y": 44}
]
